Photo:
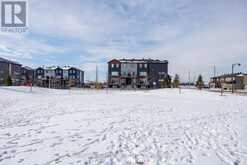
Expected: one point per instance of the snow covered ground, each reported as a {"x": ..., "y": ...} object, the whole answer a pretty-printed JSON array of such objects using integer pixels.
[{"x": 160, "y": 127}]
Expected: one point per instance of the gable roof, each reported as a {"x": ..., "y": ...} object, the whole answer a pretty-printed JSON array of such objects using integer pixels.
[
  {"x": 27, "y": 68},
  {"x": 114, "y": 60}
]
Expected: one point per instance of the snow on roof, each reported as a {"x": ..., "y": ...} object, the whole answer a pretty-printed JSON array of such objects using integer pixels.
[
  {"x": 9, "y": 61},
  {"x": 51, "y": 68},
  {"x": 231, "y": 75},
  {"x": 143, "y": 60},
  {"x": 27, "y": 68},
  {"x": 66, "y": 67},
  {"x": 55, "y": 67}
]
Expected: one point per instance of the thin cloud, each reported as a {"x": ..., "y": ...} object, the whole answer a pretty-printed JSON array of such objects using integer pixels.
[{"x": 192, "y": 34}]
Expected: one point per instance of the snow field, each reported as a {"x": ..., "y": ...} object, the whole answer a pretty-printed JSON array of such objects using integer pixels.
[{"x": 121, "y": 127}]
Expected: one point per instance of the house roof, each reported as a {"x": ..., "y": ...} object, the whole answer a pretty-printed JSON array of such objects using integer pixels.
[
  {"x": 231, "y": 75},
  {"x": 133, "y": 60},
  {"x": 66, "y": 67},
  {"x": 8, "y": 61},
  {"x": 55, "y": 67},
  {"x": 27, "y": 68},
  {"x": 51, "y": 68}
]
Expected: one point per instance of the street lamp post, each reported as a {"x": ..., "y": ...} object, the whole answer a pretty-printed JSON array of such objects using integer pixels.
[{"x": 233, "y": 65}]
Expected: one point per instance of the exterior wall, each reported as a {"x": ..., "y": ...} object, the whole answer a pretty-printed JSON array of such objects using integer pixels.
[
  {"x": 129, "y": 69},
  {"x": 245, "y": 81},
  {"x": 39, "y": 73},
  {"x": 142, "y": 68},
  {"x": 157, "y": 72},
  {"x": 136, "y": 73},
  {"x": 227, "y": 81},
  {"x": 49, "y": 73},
  {"x": 65, "y": 73},
  {"x": 74, "y": 77},
  {"x": 15, "y": 73},
  {"x": 114, "y": 73},
  {"x": 73, "y": 73},
  {"x": 114, "y": 67},
  {"x": 82, "y": 77},
  {"x": 4, "y": 71},
  {"x": 59, "y": 78},
  {"x": 142, "y": 72},
  {"x": 58, "y": 73},
  {"x": 27, "y": 76}
]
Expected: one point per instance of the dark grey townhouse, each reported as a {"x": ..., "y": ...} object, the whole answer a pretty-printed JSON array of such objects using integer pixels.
[
  {"x": 4, "y": 71},
  {"x": 39, "y": 73},
  {"x": 137, "y": 73},
  {"x": 11, "y": 69},
  {"x": 27, "y": 75},
  {"x": 59, "y": 77}
]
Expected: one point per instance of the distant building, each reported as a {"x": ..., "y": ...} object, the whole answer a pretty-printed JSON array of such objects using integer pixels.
[
  {"x": 137, "y": 73},
  {"x": 227, "y": 81},
  {"x": 12, "y": 69},
  {"x": 27, "y": 75},
  {"x": 59, "y": 77}
]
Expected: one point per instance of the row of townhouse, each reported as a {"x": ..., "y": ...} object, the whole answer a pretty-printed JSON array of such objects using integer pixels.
[
  {"x": 229, "y": 81},
  {"x": 59, "y": 77},
  {"x": 54, "y": 77},
  {"x": 137, "y": 73}
]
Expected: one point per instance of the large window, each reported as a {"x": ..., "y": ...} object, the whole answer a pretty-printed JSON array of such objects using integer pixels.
[
  {"x": 143, "y": 73},
  {"x": 114, "y": 73}
]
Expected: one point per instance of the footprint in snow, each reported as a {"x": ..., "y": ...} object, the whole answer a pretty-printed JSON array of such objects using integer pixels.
[
  {"x": 21, "y": 160},
  {"x": 237, "y": 162}
]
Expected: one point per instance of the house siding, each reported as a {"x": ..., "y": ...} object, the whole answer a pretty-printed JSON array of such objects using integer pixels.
[
  {"x": 137, "y": 73},
  {"x": 4, "y": 72}
]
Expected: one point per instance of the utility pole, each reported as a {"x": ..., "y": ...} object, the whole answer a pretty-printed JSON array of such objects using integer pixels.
[
  {"x": 31, "y": 85},
  {"x": 96, "y": 84},
  {"x": 189, "y": 77},
  {"x": 214, "y": 70},
  {"x": 49, "y": 82}
]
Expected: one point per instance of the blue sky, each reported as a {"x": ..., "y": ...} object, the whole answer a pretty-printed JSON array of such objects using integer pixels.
[{"x": 193, "y": 35}]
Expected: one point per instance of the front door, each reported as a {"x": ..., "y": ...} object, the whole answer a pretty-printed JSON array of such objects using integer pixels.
[{"x": 128, "y": 81}]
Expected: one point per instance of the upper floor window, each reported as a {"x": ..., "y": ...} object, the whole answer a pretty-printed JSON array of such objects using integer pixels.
[
  {"x": 114, "y": 73},
  {"x": 72, "y": 71},
  {"x": 145, "y": 65},
  {"x": 117, "y": 65},
  {"x": 143, "y": 73},
  {"x": 112, "y": 65}
]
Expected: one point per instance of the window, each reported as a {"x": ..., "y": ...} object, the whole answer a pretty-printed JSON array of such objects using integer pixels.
[
  {"x": 114, "y": 73},
  {"x": 145, "y": 65},
  {"x": 143, "y": 73},
  {"x": 117, "y": 65},
  {"x": 112, "y": 65}
]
